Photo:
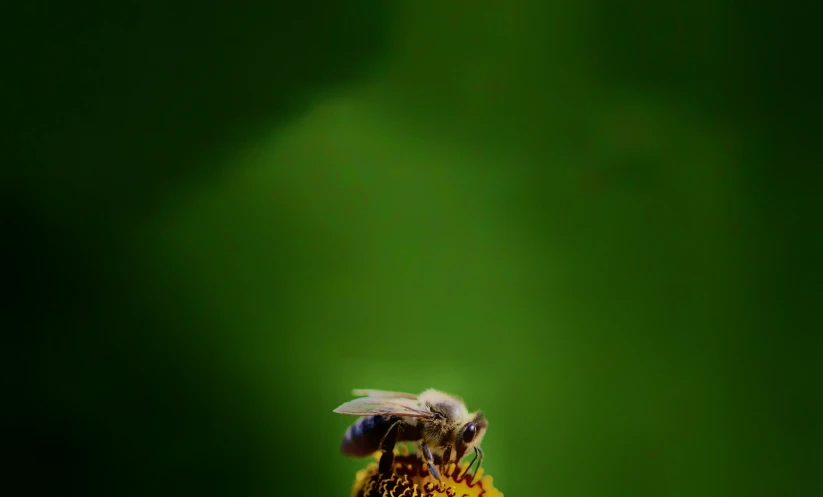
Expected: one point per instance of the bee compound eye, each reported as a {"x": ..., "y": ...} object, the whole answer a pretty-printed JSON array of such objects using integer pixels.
[{"x": 470, "y": 432}]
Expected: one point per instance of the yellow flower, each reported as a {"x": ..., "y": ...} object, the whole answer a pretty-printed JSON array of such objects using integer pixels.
[{"x": 411, "y": 478}]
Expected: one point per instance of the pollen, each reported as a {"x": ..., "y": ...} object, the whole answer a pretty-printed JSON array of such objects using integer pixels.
[{"x": 410, "y": 477}]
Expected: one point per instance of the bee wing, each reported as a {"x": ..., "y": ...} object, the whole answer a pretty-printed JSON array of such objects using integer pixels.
[
  {"x": 385, "y": 406},
  {"x": 382, "y": 393}
]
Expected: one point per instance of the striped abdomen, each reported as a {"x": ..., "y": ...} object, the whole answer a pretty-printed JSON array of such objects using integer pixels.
[{"x": 364, "y": 436}]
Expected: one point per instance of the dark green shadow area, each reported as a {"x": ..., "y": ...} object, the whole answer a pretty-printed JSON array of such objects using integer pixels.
[{"x": 109, "y": 107}]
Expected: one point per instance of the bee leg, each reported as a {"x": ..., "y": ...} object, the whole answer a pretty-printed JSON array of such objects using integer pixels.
[
  {"x": 478, "y": 452},
  {"x": 387, "y": 446},
  {"x": 427, "y": 454},
  {"x": 459, "y": 453},
  {"x": 447, "y": 455}
]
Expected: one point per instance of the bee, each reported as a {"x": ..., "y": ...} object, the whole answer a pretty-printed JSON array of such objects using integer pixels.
[{"x": 438, "y": 422}]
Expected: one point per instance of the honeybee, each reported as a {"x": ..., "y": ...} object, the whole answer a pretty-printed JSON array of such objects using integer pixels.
[{"x": 439, "y": 423}]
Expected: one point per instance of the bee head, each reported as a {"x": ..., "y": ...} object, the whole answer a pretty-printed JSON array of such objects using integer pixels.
[{"x": 471, "y": 433}]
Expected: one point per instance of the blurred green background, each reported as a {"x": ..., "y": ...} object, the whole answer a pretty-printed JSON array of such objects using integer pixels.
[{"x": 597, "y": 222}]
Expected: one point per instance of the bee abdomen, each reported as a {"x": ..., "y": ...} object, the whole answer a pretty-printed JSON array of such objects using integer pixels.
[{"x": 364, "y": 436}]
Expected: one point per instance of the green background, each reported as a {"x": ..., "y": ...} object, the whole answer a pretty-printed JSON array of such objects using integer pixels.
[{"x": 595, "y": 221}]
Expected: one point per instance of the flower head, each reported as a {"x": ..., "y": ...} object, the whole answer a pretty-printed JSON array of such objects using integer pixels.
[{"x": 410, "y": 477}]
